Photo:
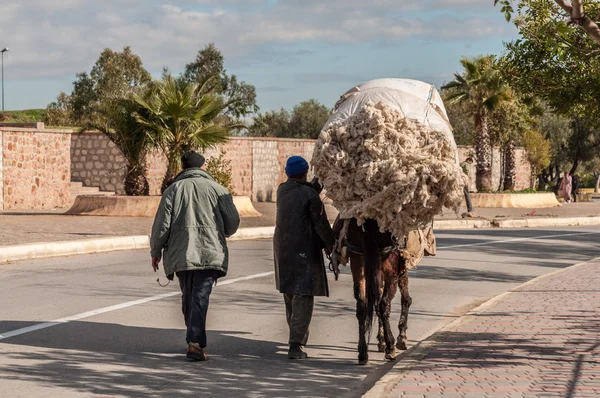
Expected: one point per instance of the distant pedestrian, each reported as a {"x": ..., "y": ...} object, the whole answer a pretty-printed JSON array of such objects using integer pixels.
[
  {"x": 466, "y": 166},
  {"x": 194, "y": 217},
  {"x": 566, "y": 187},
  {"x": 302, "y": 232},
  {"x": 576, "y": 185}
]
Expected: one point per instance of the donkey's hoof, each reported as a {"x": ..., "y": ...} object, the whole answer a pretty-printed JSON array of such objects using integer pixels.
[
  {"x": 401, "y": 345},
  {"x": 381, "y": 347},
  {"x": 390, "y": 356},
  {"x": 363, "y": 362}
]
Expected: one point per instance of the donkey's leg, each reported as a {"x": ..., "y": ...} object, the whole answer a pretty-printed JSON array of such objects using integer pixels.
[
  {"x": 384, "y": 312},
  {"x": 358, "y": 277},
  {"x": 406, "y": 302},
  {"x": 361, "y": 315},
  {"x": 381, "y": 332}
]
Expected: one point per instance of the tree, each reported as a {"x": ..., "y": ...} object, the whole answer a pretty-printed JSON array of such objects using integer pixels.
[
  {"x": 180, "y": 117},
  {"x": 59, "y": 112},
  {"x": 538, "y": 151},
  {"x": 481, "y": 87},
  {"x": 556, "y": 129},
  {"x": 271, "y": 124},
  {"x": 463, "y": 125},
  {"x": 507, "y": 124},
  {"x": 220, "y": 169},
  {"x": 114, "y": 76},
  {"x": 239, "y": 97},
  {"x": 308, "y": 119},
  {"x": 116, "y": 120},
  {"x": 573, "y": 10},
  {"x": 564, "y": 72}
]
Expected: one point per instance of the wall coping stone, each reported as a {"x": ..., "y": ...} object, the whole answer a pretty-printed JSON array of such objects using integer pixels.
[{"x": 32, "y": 130}]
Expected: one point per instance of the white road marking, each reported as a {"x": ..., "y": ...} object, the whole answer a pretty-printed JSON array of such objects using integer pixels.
[
  {"x": 128, "y": 304},
  {"x": 117, "y": 307},
  {"x": 496, "y": 242}
]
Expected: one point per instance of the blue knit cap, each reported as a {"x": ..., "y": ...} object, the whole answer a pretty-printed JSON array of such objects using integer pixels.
[{"x": 296, "y": 166}]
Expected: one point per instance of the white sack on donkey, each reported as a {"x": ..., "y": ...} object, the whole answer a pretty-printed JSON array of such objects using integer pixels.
[{"x": 387, "y": 153}]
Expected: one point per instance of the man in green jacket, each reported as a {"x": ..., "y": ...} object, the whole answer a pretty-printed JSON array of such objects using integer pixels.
[{"x": 193, "y": 219}]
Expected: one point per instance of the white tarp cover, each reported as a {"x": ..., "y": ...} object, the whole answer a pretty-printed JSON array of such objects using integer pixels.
[{"x": 416, "y": 100}]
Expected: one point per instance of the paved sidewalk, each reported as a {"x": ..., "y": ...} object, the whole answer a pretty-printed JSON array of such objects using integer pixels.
[{"x": 542, "y": 340}]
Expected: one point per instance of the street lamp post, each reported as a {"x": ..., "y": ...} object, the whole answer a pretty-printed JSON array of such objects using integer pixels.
[{"x": 5, "y": 49}]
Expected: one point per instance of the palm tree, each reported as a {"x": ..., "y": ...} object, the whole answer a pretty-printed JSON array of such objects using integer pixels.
[
  {"x": 180, "y": 116},
  {"x": 481, "y": 87},
  {"x": 115, "y": 119}
]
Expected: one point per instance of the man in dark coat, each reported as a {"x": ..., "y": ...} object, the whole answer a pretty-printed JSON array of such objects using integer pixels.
[
  {"x": 575, "y": 190},
  {"x": 302, "y": 232}
]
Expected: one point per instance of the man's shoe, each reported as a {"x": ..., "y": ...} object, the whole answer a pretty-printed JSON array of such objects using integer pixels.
[
  {"x": 296, "y": 352},
  {"x": 196, "y": 353}
]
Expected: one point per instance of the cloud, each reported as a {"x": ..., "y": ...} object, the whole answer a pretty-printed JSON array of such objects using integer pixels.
[
  {"x": 320, "y": 78},
  {"x": 55, "y": 38}
]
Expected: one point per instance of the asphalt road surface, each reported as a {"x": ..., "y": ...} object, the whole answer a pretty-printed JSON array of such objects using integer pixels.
[{"x": 100, "y": 325}]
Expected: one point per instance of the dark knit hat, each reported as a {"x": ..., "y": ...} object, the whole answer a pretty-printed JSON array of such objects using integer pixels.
[
  {"x": 296, "y": 166},
  {"x": 192, "y": 159}
]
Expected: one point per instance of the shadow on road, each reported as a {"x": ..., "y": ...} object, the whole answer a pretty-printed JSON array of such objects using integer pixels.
[{"x": 117, "y": 360}]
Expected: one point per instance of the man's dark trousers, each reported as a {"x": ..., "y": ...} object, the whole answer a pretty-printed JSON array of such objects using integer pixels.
[
  {"x": 299, "y": 310},
  {"x": 196, "y": 287}
]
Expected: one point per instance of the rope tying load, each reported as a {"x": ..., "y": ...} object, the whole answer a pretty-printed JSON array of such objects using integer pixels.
[{"x": 379, "y": 164}]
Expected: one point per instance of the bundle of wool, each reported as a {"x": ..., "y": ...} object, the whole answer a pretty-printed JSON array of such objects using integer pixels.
[{"x": 380, "y": 165}]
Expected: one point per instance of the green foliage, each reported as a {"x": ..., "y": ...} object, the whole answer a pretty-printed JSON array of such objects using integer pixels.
[
  {"x": 509, "y": 120},
  {"x": 114, "y": 76},
  {"x": 564, "y": 26},
  {"x": 308, "y": 118},
  {"x": 538, "y": 150},
  {"x": 220, "y": 168},
  {"x": 24, "y": 116},
  {"x": 463, "y": 123},
  {"x": 305, "y": 121},
  {"x": 181, "y": 116},
  {"x": 588, "y": 181},
  {"x": 481, "y": 89},
  {"x": 59, "y": 112},
  {"x": 271, "y": 124},
  {"x": 208, "y": 70}
]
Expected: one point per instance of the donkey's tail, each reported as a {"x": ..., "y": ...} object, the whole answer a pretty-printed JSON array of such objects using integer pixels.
[{"x": 372, "y": 260}]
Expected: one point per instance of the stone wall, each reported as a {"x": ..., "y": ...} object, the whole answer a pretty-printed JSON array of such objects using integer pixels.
[
  {"x": 258, "y": 164},
  {"x": 523, "y": 168},
  {"x": 157, "y": 168},
  {"x": 1, "y": 170},
  {"x": 97, "y": 162},
  {"x": 35, "y": 168}
]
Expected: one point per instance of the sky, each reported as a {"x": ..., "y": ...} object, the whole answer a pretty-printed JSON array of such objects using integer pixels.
[{"x": 291, "y": 50}]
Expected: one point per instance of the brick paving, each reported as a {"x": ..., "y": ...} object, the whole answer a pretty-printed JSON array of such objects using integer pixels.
[{"x": 540, "y": 341}]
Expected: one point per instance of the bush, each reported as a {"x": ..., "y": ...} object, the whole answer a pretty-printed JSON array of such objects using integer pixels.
[
  {"x": 587, "y": 181},
  {"x": 220, "y": 169}
]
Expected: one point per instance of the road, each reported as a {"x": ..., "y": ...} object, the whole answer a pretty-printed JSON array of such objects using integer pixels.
[{"x": 94, "y": 326}]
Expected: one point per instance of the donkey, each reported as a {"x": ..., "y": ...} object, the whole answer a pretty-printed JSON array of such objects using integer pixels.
[{"x": 378, "y": 270}]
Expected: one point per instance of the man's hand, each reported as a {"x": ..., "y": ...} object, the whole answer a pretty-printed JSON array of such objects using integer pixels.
[{"x": 155, "y": 262}]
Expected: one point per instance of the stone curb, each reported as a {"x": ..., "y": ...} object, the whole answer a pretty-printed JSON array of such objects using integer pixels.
[
  {"x": 384, "y": 387},
  {"x": 103, "y": 245},
  {"x": 546, "y": 222},
  {"x": 120, "y": 243},
  {"x": 461, "y": 224}
]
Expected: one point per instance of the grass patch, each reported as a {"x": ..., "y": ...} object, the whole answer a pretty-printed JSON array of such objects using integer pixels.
[{"x": 24, "y": 116}]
